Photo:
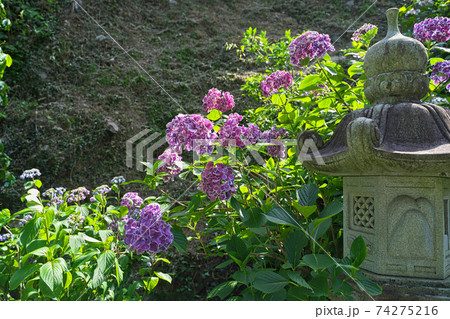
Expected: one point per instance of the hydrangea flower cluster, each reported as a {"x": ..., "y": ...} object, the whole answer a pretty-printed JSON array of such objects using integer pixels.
[
  {"x": 217, "y": 181},
  {"x": 76, "y": 220},
  {"x": 440, "y": 72},
  {"x": 149, "y": 233},
  {"x": 310, "y": 44},
  {"x": 25, "y": 220},
  {"x": 30, "y": 173},
  {"x": 276, "y": 80},
  {"x": 184, "y": 129},
  {"x": 52, "y": 192},
  {"x": 77, "y": 195},
  {"x": 4, "y": 237},
  {"x": 231, "y": 131},
  {"x": 132, "y": 201},
  {"x": 102, "y": 190},
  {"x": 240, "y": 135},
  {"x": 55, "y": 195},
  {"x": 358, "y": 34},
  {"x": 273, "y": 136},
  {"x": 171, "y": 164},
  {"x": 251, "y": 133},
  {"x": 118, "y": 180},
  {"x": 433, "y": 29},
  {"x": 216, "y": 99}
]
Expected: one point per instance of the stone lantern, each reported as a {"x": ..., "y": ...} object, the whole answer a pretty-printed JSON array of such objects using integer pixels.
[{"x": 395, "y": 161}]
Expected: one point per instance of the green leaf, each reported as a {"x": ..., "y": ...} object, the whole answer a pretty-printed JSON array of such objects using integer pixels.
[
  {"x": 268, "y": 281},
  {"x": 68, "y": 279},
  {"x": 332, "y": 209},
  {"x": 106, "y": 260},
  {"x": 306, "y": 211},
  {"x": 179, "y": 239},
  {"x": 295, "y": 277},
  {"x": 308, "y": 194},
  {"x": 367, "y": 285},
  {"x": 244, "y": 276},
  {"x": 320, "y": 284},
  {"x": 150, "y": 285},
  {"x": 223, "y": 290},
  {"x": 51, "y": 274},
  {"x": 75, "y": 243},
  {"x": 23, "y": 273},
  {"x": 294, "y": 244},
  {"x": 105, "y": 234},
  {"x": 163, "y": 276},
  {"x": 318, "y": 261},
  {"x": 358, "y": 251},
  {"x": 84, "y": 258},
  {"x": 119, "y": 272},
  {"x": 237, "y": 250},
  {"x": 309, "y": 82},
  {"x": 281, "y": 216},
  {"x": 319, "y": 231},
  {"x": 214, "y": 115},
  {"x": 253, "y": 217},
  {"x": 30, "y": 230}
]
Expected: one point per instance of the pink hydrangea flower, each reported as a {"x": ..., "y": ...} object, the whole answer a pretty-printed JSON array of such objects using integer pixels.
[
  {"x": 184, "y": 130},
  {"x": 358, "y": 34},
  {"x": 216, "y": 99},
  {"x": 276, "y": 80},
  {"x": 171, "y": 164},
  {"x": 440, "y": 72},
  {"x": 310, "y": 44},
  {"x": 217, "y": 181},
  {"x": 433, "y": 29}
]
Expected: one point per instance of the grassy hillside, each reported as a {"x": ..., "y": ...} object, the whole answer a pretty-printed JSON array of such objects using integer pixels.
[{"x": 71, "y": 84}]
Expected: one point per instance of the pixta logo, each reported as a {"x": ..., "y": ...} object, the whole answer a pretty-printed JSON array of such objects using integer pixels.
[{"x": 143, "y": 143}]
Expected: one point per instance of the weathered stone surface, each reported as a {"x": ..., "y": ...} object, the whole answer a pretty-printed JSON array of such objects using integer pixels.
[{"x": 395, "y": 160}]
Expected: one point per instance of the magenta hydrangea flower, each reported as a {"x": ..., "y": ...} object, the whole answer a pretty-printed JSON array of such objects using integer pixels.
[
  {"x": 310, "y": 44},
  {"x": 77, "y": 195},
  {"x": 216, "y": 99},
  {"x": 132, "y": 201},
  {"x": 171, "y": 164},
  {"x": 358, "y": 34},
  {"x": 183, "y": 130},
  {"x": 276, "y": 80},
  {"x": 433, "y": 29},
  {"x": 251, "y": 133},
  {"x": 440, "y": 73},
  {"x": 217, "y": 181},
  {"x": 273, "y": 136},
  {"x": 240, "y": 136},
  {"x": 149, "y": 233},
  {"x": 231, "y": 131}
]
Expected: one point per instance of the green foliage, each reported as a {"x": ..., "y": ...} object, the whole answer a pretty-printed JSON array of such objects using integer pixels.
[{"x": 71, "y": 251}]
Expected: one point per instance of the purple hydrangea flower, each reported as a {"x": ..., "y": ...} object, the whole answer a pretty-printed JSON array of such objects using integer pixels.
[
  {"x": 273, "y": 136},
  {"x": 216, "y": 99},
  {"x": 132, "y": 201},
  {"x": 231, "y": 131},
  {"x": 4, "y": 237},
  {"x": 101, "y": 190},
  {"x": 358, "y": 34},
  {"x": 171, "y": 164},
  {"x": 30, "y": 173},
  {"x": 251, "y": 133},
  {"x": 76, "y": 220},
  {"x": 183, "y": 130},
  {"x": 149, "y": 233},
  {"x": 310, "y": 44},
  {"x": 433, "y": 29},
  {"x": 77, "y": 195},
  {"x": 440, "y": 73},
  {"x": 241, "y": 136},
  {"x": 118, "y": 180},
  {"x": 217, "y": 181},
  {"x": 276, "y": 80},
  {"x": 25, "y": 220}
]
